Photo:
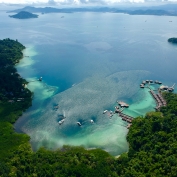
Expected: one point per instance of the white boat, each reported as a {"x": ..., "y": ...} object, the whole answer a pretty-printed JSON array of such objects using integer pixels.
[
  {"x": 92, "y": 121},
  {"x": 40, "y": 79},
  {"x": 78, "y": 123},
  {"x": 105, "y": 111},
  {"x": 61, "y": 121},
  {"x": 123, "y": 104}
]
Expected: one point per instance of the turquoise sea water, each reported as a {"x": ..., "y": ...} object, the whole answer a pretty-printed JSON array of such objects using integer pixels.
[{"x": 88, "y": 61}]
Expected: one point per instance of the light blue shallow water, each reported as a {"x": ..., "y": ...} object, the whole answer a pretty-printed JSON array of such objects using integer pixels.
[{"x": 88, "y": 61}]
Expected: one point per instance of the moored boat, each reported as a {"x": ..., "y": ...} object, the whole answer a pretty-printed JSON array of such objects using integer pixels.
[
  {"x": 78, "y": 123},
  {"x": 61, "y": 121},
  {"x": 123, "y": 104},
  {"x": 91, "y": 121},
  {"x": 105, "y": 111}
]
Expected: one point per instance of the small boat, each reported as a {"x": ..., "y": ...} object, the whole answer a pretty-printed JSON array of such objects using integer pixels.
[
  {"x": 170, "y": 89},
  {"x": 40, "y": 79},
  {"x": 105, "y": 111},
  {"x": 92, "y": 121},
  {"x": 61, "y": 121},
  {"x": 78, "y": 123},
  {"x": 123, "y": 104},
  {"x": 55, "y": 107}
]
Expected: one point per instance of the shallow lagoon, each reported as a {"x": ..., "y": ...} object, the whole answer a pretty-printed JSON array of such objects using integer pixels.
[{"x": 88, "y": 61}]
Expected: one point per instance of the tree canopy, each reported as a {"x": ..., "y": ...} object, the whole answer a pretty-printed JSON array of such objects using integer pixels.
[{"x": 172, "y": 40}]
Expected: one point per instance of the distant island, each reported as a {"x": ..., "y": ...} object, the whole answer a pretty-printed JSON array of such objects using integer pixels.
[
  {"x": 152, "y": 12},
  {"x": 173, "y": 40},
  {"x": 24, "y": 15},
  {"x": 160, "y": 11}
]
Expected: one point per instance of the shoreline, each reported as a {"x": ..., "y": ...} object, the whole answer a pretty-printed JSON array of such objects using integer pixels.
[
  {"x": 52, "y": 140},
  {"x": 34, "y": 86},
  {"x": 13, "y": 103}
]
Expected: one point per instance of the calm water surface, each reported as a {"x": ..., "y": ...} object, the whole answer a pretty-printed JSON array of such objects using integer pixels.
[{"x": 88, "y": 61}]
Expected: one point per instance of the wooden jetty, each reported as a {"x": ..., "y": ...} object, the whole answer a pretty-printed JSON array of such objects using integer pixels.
[
  {"x": 118, "y": 110},
  {"x": 124, "y": 117},
  {"x": 159, "y": 99},
  {"x": 128, "y": 126},
  {"x": 170, "y": 89}
]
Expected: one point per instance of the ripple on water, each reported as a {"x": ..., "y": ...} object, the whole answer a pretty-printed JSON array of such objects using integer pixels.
[{"x": 83, "y": 102}]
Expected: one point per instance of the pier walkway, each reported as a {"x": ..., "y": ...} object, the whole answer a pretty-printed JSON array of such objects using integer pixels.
[
  {"x": 124, "y": 117},
  {"x": 159, "y": 99}
]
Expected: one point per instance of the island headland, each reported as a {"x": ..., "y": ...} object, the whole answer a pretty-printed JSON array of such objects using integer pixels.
[
  {"x": 173, "y": 40},
  {"x": 24, "y": 15}
]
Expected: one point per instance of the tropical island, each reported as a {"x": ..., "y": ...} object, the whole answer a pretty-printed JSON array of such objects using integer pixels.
[
  {"x": 152, "y": 139},
  {"x": 172, "y": 40},
  {"x": 24, "y": 15}
]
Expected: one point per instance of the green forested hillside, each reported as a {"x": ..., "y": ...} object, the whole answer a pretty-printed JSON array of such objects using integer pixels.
[
  {"x": 173, "y": 40},
  {"x": 153, "y": 152},
  {"x": 24, "y": 15},
  {"x": 14, "y": 97},
  {"x": 152, "y": 142}
]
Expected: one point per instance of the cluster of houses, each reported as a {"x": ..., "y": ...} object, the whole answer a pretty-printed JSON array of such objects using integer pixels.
[
  {"x": 162, "y": 87},
  {"x": 118, "y": 109},
  {"x": 142, "y": 85}
]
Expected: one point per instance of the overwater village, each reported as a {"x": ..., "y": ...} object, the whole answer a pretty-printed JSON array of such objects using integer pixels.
[{"x": 156, "y": 94}]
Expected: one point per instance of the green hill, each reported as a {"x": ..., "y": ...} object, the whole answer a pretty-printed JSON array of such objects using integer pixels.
[
  {"x": 172, "y": 40},
  {"x": 24, "y": 15}
]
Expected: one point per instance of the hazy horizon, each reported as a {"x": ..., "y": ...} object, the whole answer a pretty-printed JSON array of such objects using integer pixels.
[{"x": 78, "y": 3}]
